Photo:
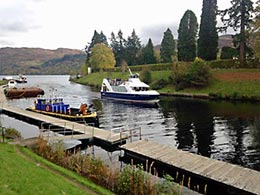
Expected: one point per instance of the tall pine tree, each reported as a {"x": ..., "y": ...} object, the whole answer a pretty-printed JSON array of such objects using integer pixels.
[
  {"x": 188, "y": 29},
  {"x": 208, "y": 35},
  {"x": 255, "y": 32},
  {"x": 133, "y": 48},
  {"x": 167, "y": 46},
  {"x": 239, "y": 16},
  {"x": 118, "y": 46},
  {"x": 148, "y": 53}
]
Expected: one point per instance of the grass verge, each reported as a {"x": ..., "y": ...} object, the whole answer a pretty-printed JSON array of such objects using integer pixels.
[
  {"x": 23, "y": 176},
  {"x": 226, "y": 83}
]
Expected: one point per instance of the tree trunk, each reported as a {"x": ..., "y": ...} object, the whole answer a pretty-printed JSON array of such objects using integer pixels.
[{"x": 242, "y": 52}]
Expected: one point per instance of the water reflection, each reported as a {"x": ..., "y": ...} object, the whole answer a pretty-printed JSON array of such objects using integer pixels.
[{"x": 222, "y": 130}]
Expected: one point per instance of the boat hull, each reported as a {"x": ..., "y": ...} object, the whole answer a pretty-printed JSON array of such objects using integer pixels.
[
  {"x": 15, "y": 93},
  {"x": 90, "y": 119},
  {"x": 143, "y": 98}
]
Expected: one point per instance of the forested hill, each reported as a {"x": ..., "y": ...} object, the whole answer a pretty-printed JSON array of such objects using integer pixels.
[{"x": 40, "y": 61}]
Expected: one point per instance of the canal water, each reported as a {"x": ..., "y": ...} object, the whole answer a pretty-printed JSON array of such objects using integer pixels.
[{"x": 227, "y": 131}]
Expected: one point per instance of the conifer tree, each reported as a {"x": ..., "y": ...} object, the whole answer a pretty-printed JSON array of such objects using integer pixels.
[
  {"x": 187, "y": 33},
  {"x": 118, "y": 46},
  {"x": 148, "y": 53},
  {"x": 239, "y": 16},
  {"x": 133, "y": 48},
  {"x": 208, "y": 36},
  {"x": 255, "y": 32},
  {"x": 167, "y": 46}
]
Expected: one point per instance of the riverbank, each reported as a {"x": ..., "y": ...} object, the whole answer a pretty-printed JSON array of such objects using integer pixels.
[
  {"x": 25, "y": 173},
  {"x": 227, "y": 84}
]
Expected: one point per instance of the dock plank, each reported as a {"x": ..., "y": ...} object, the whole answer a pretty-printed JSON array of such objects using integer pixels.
[{"x": 232, "y": 175}]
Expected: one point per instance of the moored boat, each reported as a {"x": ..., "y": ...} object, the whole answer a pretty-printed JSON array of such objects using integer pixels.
[
  {"x": 21, "y": 79},
  {"x": 132, "y": 90},
  {"x": 11, "y": 91},
  {"x": 57, "y": 108}
]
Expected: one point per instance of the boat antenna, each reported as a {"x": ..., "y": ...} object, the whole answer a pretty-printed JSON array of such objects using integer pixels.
[{"x": 129, "y": 70}]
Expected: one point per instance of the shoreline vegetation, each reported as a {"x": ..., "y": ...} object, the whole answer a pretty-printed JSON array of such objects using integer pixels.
[
  {"x": 43, "y": 170},
  {"x": 226, "y": 84}
]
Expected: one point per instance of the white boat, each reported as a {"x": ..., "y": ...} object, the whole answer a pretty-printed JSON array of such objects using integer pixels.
[
  {"x": 7, "y": 78},
  {"x": 133, "y": 90},
  {"x": 21, "y": 79}
]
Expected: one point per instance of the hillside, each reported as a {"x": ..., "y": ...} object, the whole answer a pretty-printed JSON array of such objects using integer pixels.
[{"x": 33, "y": 60}]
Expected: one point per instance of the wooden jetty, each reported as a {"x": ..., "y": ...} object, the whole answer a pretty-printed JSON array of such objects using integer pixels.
[
  {"x": 104, "y": 138},
  {"x": 226, "y": 178}
]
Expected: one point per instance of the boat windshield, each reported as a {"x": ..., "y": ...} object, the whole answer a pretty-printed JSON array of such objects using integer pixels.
[
  {"x": 133, "y": 76},
  {"x": 140, "y": 88}
]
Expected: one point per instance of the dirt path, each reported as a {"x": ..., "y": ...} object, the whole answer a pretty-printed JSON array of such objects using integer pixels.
[{"x": 56, "y": 172}]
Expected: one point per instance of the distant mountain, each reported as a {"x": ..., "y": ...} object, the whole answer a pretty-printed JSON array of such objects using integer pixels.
[{"x": 33, "y": 60}]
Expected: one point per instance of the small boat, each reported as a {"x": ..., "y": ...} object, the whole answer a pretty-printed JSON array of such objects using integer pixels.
[
  {"x": 11, "y": 91},
  {"x": 57, "y": 108},
  {"x": 131, "y": 90},
  {"x": 7, "y": 78},
  {"x": 21, "y": 79}
]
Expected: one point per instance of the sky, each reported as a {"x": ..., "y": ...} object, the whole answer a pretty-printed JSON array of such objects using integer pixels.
[{"x": 53, "y": 24}]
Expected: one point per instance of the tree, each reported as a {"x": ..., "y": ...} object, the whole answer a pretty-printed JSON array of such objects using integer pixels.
[
  {"x": 148, "y": 53},
  {"x": 101, "y": 57},
  {"x": 133, "y": 48},
  {"x": 208, "y": 35},
  {"x": 97, "y": 38},
  {"x": 255, "y": 31},
  {"x": 167, "y": 46},
  {"x": 188, "y": 28},
  {"x": 239, "y": 16},
  {"x": 228, "y": 53},
  {"x": 118, "y": 46}
]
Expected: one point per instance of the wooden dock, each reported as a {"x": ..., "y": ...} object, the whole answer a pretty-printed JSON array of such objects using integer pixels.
[
  {"x": 102, "y": 137},
  {"x": 235, "y": 179}
]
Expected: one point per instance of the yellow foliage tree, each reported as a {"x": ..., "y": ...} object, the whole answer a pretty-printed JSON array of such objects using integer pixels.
[{"x": 102, "y": 57}]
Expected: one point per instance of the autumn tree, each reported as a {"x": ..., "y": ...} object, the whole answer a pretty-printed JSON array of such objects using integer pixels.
[
  {"x": 239, "y": 16},
  {"x": 167, "y": 46},
  {"x": 101, "y": 57},
  {"x": 208, "y": 35},
  {"x": 133, "y": 48},
  {"x": 188, "y": 28}
]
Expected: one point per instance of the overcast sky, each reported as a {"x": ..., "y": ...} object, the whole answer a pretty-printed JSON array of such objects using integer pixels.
[{"x": 52, "y": 24}]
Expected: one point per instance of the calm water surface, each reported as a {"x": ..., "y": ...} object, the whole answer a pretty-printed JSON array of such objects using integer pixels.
[{"x": 221, "y": 130}]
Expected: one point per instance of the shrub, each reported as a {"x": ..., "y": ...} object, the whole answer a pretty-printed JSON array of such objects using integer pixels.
[
  {"x": 12, "y": 133},
  {"x": 159, "y": 84},
  {"x": 178, "y": 76},
  {"x": 198, "y": 74},
  {"x": 195, "y": 75},
  {"x": 228, "y": 53},
  {"x": 146, "y": 76}
]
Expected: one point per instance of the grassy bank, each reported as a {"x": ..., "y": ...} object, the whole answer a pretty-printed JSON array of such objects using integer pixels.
[
  {"x": 23, "y": 172},
  {"x": 226, "y": 83}
]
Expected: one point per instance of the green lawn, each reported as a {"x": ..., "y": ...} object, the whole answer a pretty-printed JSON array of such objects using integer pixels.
[
  {"x": 24, "y": 177},
  {"x": 244, "y": 87}
]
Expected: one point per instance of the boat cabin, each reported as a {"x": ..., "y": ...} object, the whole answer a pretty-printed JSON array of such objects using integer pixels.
[{"x": 52, "y": 105}]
